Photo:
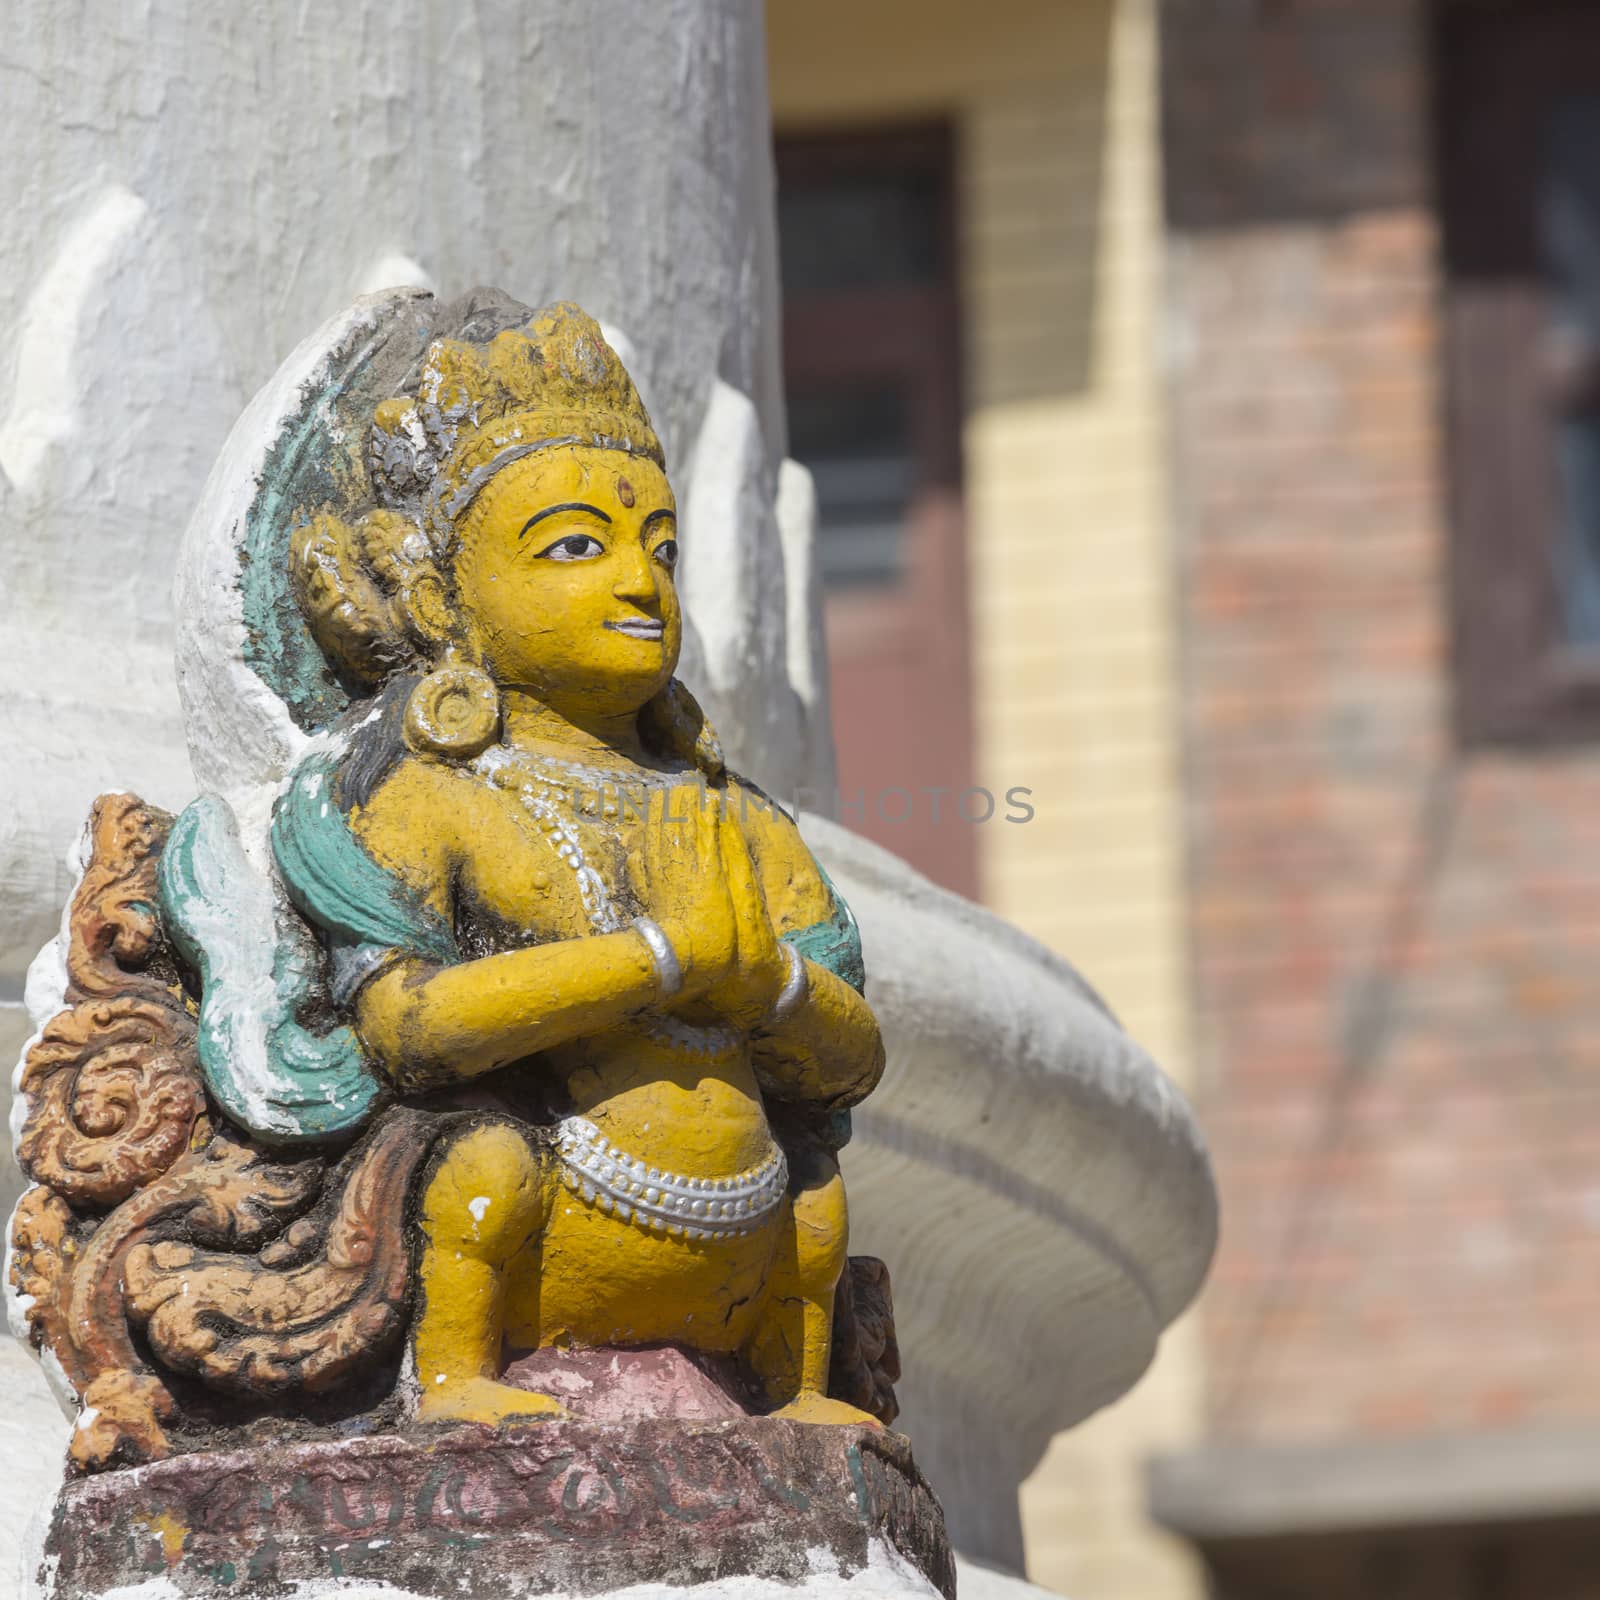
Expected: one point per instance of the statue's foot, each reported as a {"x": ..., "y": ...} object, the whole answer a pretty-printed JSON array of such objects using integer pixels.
[
  {"x": 484, "y": 1400},
  {"x": 814, "y": 1407}
]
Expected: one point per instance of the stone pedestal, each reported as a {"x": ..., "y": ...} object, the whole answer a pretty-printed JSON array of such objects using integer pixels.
[{"x": 558, "y": 1508}]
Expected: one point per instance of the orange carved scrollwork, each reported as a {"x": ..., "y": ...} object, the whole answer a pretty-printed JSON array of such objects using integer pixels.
[
  {"x": 310, "y": 1307},
  {"x": 75, "y": 1277},
  {"x": 113, "y": 1086},
  {"x": 114, "y": 1096},
  {"x": 114, "y": 1099},
  {"x": 248, "y": 1269},
  {"x": 113, "y": 930}
]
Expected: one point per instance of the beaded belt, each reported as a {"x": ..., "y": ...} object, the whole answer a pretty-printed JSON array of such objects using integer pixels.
[{"x": 697, "y": 1208}]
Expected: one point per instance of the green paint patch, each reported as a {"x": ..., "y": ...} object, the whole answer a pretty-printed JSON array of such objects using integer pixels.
[
  {"x": 834, "y": 943},
  {"x": 338, "y": 885},
  {"x": 259, "y": 970},
  {"x": 279, "y": 647}
]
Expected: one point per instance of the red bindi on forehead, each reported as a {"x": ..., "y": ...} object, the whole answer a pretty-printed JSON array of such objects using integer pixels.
[{"x": 625, "y": 491}]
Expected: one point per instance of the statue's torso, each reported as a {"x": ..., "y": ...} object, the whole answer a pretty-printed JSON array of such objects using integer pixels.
[{"x": 541, "y": 851}]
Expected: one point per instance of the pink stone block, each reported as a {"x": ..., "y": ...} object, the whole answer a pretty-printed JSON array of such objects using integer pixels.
[{"x": 624, "y": 1385}]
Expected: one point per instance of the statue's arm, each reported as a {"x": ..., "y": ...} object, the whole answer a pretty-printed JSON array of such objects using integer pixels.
[
  {"x": 428, "y": 1025},
  {"x": 429, "y": 1022},
  {"x": 828, "y": 1048}
]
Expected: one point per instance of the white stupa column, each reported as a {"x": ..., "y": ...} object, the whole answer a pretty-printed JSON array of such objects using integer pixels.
[{"x": 190, "y": 193}]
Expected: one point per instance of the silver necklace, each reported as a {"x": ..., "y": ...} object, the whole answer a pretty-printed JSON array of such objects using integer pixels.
[{"x": 537, "y": 789}]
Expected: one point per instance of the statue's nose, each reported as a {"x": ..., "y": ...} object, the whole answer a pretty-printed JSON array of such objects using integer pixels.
[{"x": 637, "y": 581}]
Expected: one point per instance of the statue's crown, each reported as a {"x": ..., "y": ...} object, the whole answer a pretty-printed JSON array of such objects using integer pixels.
[{"x": 479, "y": 407}]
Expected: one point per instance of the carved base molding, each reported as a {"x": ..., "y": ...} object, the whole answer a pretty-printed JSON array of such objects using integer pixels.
[{"x": 556, "y": 1508}]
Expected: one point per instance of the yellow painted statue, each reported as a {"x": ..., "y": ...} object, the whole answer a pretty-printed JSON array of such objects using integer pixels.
[
  {"x": 624, "y": 908},
  {"x": 524, "y": 1024}
]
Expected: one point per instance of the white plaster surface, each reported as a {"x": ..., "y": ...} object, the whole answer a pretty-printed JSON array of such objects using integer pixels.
[
  {"x": 885, "y": 1577},
  {"x": 33, "y": 1454},
  {"x": 1039, "y": 1189}
]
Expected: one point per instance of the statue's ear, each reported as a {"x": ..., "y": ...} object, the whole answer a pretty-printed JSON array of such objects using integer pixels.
[{"x": 672, "y": 724}]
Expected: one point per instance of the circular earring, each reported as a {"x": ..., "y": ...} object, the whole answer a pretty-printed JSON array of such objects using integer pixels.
[{"x": 453, "y": 712}]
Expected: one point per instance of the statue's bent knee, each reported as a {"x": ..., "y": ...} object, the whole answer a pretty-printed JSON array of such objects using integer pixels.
[{"x": 485, "y": 1196}]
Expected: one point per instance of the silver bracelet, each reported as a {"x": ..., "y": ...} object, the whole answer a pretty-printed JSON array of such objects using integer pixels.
[
  {"x": 794, "y": 986},
  {"x": 668, "y": 972}
]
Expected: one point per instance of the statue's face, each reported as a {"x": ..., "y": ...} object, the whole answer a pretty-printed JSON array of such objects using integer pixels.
[{"x": 564, "y": 574}]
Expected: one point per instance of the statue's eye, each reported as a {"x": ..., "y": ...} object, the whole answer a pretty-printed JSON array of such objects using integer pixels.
[
  {"x": 574, "y": 547},
  {"x": 667, "y": 553}
]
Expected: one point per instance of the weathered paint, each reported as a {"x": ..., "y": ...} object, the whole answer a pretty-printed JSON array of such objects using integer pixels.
[
  {"x": 258, "y": 966},
  {"x": 572, "y": 1508},
  {"x": 278, "y": 645},
  {"x": 337, "y": 884},
  {"x": 834, "y": 943}
]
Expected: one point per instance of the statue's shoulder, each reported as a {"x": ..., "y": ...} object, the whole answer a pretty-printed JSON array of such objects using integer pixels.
[
  {"x": 410, "y": 782},
  {"x": 417, "y": 816},
  {"x": 768, "y": 825}
]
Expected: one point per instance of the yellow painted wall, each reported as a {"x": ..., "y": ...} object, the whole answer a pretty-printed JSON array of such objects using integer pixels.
[{"x": 1055, "y": 107}]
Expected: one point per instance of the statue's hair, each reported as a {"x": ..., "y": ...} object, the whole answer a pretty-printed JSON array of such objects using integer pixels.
[
  {"x": 350, "y": 580},
  {"x": 479, "y": 407}
]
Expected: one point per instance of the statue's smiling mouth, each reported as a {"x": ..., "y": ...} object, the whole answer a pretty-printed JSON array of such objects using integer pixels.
[{"x": 640, "y": 628}]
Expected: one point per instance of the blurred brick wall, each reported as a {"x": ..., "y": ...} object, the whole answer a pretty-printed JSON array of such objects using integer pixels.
[
  {"x": 1055, "y": 109},
  {"x": 1397, "y": 944},
  {"x": 1072, "y": 594}
]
